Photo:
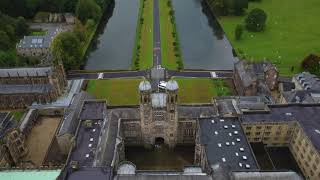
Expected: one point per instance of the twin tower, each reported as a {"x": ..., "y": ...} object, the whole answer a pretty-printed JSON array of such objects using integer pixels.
[{"x": 158, "y": 113}]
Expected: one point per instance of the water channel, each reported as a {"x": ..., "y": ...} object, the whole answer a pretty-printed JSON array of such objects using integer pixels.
[
  {"x": 203, "y": 43},
  {"x": 113, "y": 46}
]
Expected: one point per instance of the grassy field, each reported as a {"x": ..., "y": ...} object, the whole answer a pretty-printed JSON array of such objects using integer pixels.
[
  {"x": 292, "y": 33},
  {"x": 116, "y": 91},
  {"x": 37, "y": 32},
  {"x": 144, "y": 36},
  {"x": 166, "y": 29},
  {"x": 200, "y": 90},
  {"x": 18, "y": 115}
]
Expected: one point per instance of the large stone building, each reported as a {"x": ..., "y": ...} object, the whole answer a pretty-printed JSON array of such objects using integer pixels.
[
  {"x": 20, "y": 87},
  {"x": 253, "y": 79},
  {"x": 221, "y": 132}
]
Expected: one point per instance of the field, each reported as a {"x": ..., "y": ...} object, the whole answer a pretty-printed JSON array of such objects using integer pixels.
[
  {"x": 144, "y": 36},
  {"x": 200, "y": 90},
  {"x": 166, "y": 30},
  {"x": 18, "y": 115},
  {"x": 292, "y": 33},
  {"x": 39, "y": 139},
  {"x": 116, "y": 91}
]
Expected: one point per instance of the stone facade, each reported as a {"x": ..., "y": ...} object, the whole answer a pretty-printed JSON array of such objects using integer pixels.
[
  {"x": 251, "y": 79},
  {"x": 21, "y": 87}
]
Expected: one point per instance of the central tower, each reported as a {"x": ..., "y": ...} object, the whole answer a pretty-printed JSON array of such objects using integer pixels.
[{"x": 158, "y": 113}]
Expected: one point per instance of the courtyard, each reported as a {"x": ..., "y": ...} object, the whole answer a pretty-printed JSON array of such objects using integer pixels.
[{"x": 39, "y": 139}]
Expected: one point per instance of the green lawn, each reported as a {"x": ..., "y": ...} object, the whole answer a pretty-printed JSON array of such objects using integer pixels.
[
  {"x": 116, "y": 91},
  {"x": 144, "y": 36},
  {"x": 18, "y": 115},
  {"x": 166, "y": 28},
  {"x": 200, "y": 90},
  {"x": 292, "y": 33},
  {"x": 38, "y": 32}
]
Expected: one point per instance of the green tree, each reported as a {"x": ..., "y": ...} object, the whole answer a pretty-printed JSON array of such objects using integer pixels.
[
  {"x": 66, "y": 49},
  {"x": 5, "y": 42},
  {"x": 87, "y": 9},
  {"x": 256, "y": 20},
  {"x": 80, "y": 31},
  {"x": 238, "y": 32},
  {"x": 22, "y": 27},
  {"x": 239, "y": 6}
]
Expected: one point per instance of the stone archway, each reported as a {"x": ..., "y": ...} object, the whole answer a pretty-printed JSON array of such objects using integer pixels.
[{"x": 159, "y": 141}]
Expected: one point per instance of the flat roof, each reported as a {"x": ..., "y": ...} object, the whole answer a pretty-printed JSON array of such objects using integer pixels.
[
  {"x": 226, "y": 144},
  {"x": 93, "y": 110},
  {"x": 306, "y": 114}
]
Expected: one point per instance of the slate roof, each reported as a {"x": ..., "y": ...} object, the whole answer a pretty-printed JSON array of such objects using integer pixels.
[
  {"x": 308, "y": 80},
  {"x": 71, "y": 115},
  {"x": 93, "y": 110},
  {"x": 226, "y": 144},
  {"x": 39, "y": 41},
  {"x": 6, "y": 123},
  {"x": 307, "y": 115},
  {"x": 26, "y": 72},
  {"x": 247, "y": 77},
  {"x": 26, "y": 88},
  {"x": 195, "y": 111},
  {"x": 299, "y": 96},
  {"x": 168, "y": 176},
  {"x": 266, "y": 176}
]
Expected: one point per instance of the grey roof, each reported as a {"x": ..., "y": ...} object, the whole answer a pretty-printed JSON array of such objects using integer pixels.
[
  {"x": 300, "y": 96},
  {"x": 144, "y": 86},
  {"x": 247, "y": 77},
  {"x": 288, "y": 86},
  {"x": 71, "y": 115},
  {"x": 6, "y": 123},
  {"x": 26, "y": 72},
  {"x": 39, "y": 41},
  {"x": 195, "y": 111},
  {"x": 93, "y": 110},
  {"x": 266, "y": 176},
  {"x": 172, "y": 85},
  {"x": 159, "y": 100},
  {"x": 308, "y": 80},
  {"x": 159, "y": 176},
  {"x": 98, "y": 173},
  {"x": 306, "y": 115},
  {"x": 27, "y": 88},
  {"x": 223, "y": 139}
]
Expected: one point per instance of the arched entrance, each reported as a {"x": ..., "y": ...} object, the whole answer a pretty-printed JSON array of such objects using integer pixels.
[{"x": 159, "y": 141}]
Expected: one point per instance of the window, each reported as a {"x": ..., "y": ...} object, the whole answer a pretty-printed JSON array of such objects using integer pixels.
[
  {"x": 278, "y": 133},
  {"x": 248, "y": 133},
  {"x": 258, "y": 133},
  {"x": 269, "y": 127},
  {"x": 248, "y": 128},
  {"x": 267, "y": 133},
  {"x": 256, "y": 139},
  {"x": 258, "y": 127}
]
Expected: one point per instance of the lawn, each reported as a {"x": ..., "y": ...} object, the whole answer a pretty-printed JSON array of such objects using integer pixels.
[
  {"x": 17, "y": 115},
  {"x": 292, "y": 33},
  {"x": 144, "y": 36},
  {"x": 116, "y": 91},
  {"x": 38, "y": 32},
  {"x": 166, "y": 29},
  {"x": 200, "y": 90}
]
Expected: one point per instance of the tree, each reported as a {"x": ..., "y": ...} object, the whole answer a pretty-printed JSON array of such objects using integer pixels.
[
  {"x": 22, "y": 27},
  {"x": 5, "y": 42},
  {"x": 80, "y": 31},
  {"x": 239, "y": 6},
  {"x": 256, "y": 20},
  {"x": 88, "y": 9},
  {"x": 312, "y": 64},
  {"x": 238, "y": 31},
  {"x": 66, "y": 49}
]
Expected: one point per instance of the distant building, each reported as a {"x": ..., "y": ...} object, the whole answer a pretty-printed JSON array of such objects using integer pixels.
[
  {"x": 20, "y": 87},
  {"x": 38, "y": 46},
  {"x": 253, "y": 79}
]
